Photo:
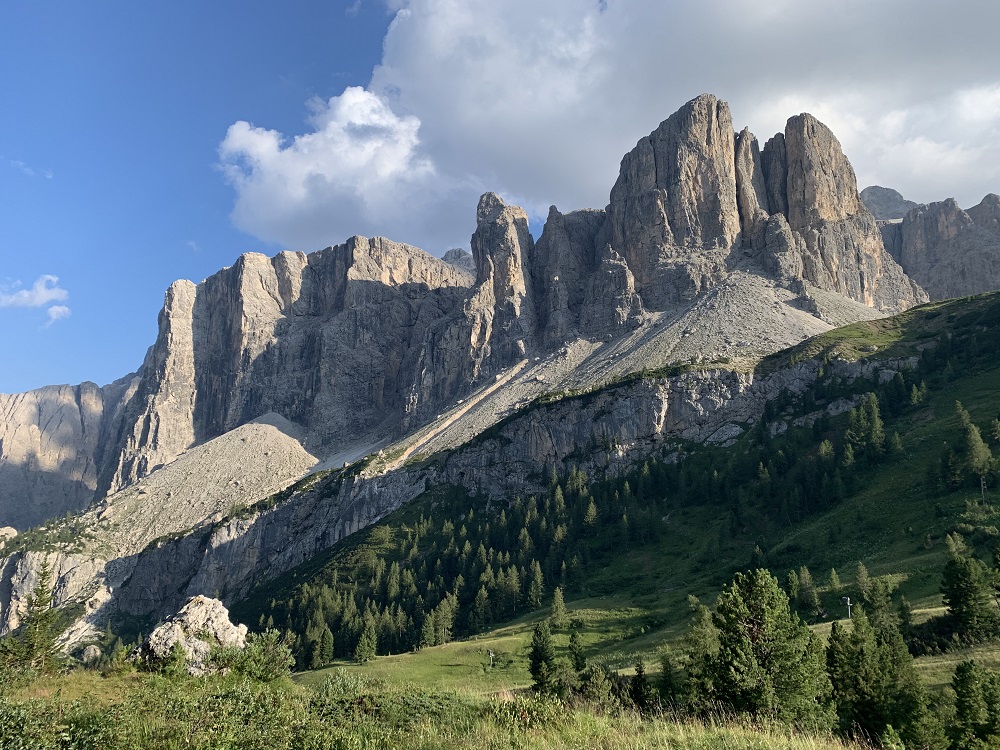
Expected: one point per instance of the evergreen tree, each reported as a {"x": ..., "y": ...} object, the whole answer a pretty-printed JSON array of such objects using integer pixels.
[
  {"x": 979, "y": 456},
  {"x": 769, "y": 664},
  {"x": 427, "y": 631},
  {"x": 536, "y": 586},
  {"x": 971, "y": 723},
  {"x": 808, "y": 597},
  {"x": 558, "y": 616},
  {"x": 368, "y": 643},
  {"x": 967, "y": 590},
  {"x": 640, "y": 690},
  {"x": 792, "y": 585},
  {"x": 863, "y": 581},
  {"x": 37, "y": 635},
  {"x": 542, "y": 658},
  {"x": 835, "y": 584}
]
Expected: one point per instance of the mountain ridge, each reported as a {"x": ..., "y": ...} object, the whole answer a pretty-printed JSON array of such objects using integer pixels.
[{"x": 710, "y": 250}]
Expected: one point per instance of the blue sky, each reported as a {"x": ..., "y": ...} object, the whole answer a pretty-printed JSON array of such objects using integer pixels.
[
  {"x": 112, "y": 118},
  {"x": 145, "y": 142}
]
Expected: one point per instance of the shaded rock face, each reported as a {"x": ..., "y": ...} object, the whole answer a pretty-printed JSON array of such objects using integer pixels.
[
  {"x": 200, "y": 624},
  {"x": 885, "y": 204},
  {"x": 52, "y": 443},
  {"x": 950, "y": 252},
  {"x": 460, "y": 258}
]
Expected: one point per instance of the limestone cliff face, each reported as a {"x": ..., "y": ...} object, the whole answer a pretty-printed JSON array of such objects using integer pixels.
[
  {"x": 694, "y": 197},
  {"x": 821, "y": 231},
  {"x": 951, "y": 252},
  {"x": 673, "y": 213},
  {"x": 325, "y": 340},
  {"x": 502, "y": 308},
  {"x": 52, "y": 444}
]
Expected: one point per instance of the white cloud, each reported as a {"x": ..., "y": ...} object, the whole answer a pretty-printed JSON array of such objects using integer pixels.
[
  {"x": 46, "y": 289},
  {"x": 359, "y": 171},
  {"x": 57, "y": 312},
  {"x": 541, "y": 101},
  {"x": 29, "y": 171},
  {"x": 352, "y": 10}
]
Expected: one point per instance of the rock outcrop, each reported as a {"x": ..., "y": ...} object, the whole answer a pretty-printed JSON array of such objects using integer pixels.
[
  {"x": 460, "y": 258},
  {"x": 53, "y": 441},
  {"x": 948, "y": 251},
  {"x": 822, "y": 232},
  {"x": 200, "y": 625},
  {"x": 673, "y": 213},
  {"x": 885, "y": 204}
]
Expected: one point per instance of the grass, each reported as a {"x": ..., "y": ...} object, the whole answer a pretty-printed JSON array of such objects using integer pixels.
[{"x": 149, "y": 711}]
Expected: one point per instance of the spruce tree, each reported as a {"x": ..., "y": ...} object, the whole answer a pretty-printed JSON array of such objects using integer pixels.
[
  {"x": 542, "y": 658},
  {"x": 536, "y": 586},
  {"x": 37, "y": 634},
  {"x": 558, "y": 616},
  {"x": 967, "y": 590},
  {"x": 368, "y": 643},
  {"x": 769, "y": 664}
]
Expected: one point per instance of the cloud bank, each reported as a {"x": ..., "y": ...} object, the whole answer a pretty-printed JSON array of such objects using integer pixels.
[{"x": 540, "y": 102}]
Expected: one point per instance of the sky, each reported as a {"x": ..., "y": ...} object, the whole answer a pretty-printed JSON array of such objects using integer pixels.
[{"x": 145, "y": 142}]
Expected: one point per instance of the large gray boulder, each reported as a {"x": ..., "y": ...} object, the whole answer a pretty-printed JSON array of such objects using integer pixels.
[{"x": 200, "y": 625}]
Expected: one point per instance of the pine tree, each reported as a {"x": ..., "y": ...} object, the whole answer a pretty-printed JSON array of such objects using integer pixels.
[
  {"x": 427, "y": 631},
  {"x": 808, "y": 597},
  {"x": 542, "y": 658},
  {"x": 368, "y": 643},
  {"x": 863, "y": 581},
  {"x": 966, "y": 587},
  {"x": 835, "y": 584},
  {"x": 37, "y": 635},
  {"x": 980, "y": 458},
  {"x": 969, "y": 726},
  {"x": 640, "y": 690},
  {"x": 558, "y": 616},
  {"x": 536, "y": 586},
  {"x": 792, "y": 585},
  {"x": 769, "y": 664}
]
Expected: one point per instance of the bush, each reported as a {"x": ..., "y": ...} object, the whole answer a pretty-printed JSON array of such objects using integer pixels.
[{"x": 265, "y": 658}]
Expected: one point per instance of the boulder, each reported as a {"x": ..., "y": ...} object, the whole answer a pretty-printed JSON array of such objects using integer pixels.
[{"x": 200, "y": 625}]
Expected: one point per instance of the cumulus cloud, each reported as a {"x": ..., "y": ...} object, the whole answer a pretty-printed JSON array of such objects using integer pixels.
[
  {"x": 46, "y": 289},
  {"x": 360, "y": 170},
  {"x": 540, "y": 102},
  {"x": 57, "y": 312}
]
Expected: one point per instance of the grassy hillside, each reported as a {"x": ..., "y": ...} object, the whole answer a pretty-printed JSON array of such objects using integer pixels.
[{"x": 665, "y": 532}]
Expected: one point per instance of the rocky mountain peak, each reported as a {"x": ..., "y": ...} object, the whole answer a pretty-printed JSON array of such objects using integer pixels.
[
  {"x": 885, "y": 204},
  {"x": 950, "y": 252},
  {"x": 821, "y": 185}
]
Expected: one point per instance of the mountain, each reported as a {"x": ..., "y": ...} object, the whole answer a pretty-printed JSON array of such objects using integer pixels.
[
  {"x": 948, "y": 251},
  {"x": 711, "y": 254},
  {"x": 885, "y": 204}
]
